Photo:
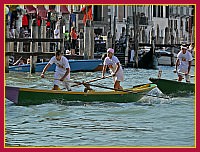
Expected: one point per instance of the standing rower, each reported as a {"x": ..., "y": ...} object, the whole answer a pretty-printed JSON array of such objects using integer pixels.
[{"x": 115, "y": 67}]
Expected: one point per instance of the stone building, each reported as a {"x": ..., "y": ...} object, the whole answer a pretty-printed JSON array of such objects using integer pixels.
[{"x": 161, "y": 21}]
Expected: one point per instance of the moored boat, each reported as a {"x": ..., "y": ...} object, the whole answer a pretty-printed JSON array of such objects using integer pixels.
[
  {"x": 75, "y": 65},
  {"x": 28, "y": 96},
  {"x": 173, "y": 87}
]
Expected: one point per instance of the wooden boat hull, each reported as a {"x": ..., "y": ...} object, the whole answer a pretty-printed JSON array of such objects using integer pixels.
[
  {"x": 27, "y": 96},
  {"x": 75, "y": 65},
  {"x": 173, "y": 87}
]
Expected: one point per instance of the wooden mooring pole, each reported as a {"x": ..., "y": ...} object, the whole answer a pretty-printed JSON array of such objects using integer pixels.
[
  {"x": 127, "y": 42},
  {"x": 172, "y": 50},
  {"x": 33, "y": 46},
  {"x": 91, "y": 53},
  {"x": 87, "y": 44},
  {"x": 7, "y": 49}
]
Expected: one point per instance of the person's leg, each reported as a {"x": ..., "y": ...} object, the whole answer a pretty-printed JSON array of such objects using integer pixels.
[
  {"x": 117, "y": 85},
  {"x": 180, "y": 77},
  {"x": 117, "y": 79},
  {"x": 56, "y": 81},
  {"x": 179, "y": 73},
  {"x": 73, "y": 48},
  {"x": 55, "y": 87},
  {"x": 187, "y": 78},
  {"x": 66, "y": 82},
  {"x": 67, "y": 85}
]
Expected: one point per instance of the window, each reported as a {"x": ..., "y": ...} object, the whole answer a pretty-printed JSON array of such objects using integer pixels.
[
  {"x": 158, "y": 11},
  {"x": 154, "y": 11},
  {"x": 167, "y": 12},
  {"x": 97, "y": 13}
]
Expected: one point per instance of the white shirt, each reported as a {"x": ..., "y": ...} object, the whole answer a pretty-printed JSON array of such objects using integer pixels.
[
  {"x": 132, "y": 55},
  {"x": 184, "y": 59},
  {"x": 60, "y": 65},
  {"x": 112, "y": 64},
  {"x": 56, "y": 33}
]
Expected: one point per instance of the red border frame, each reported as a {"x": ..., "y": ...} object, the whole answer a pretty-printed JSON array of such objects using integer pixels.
[{"x": 2, "y": 148}]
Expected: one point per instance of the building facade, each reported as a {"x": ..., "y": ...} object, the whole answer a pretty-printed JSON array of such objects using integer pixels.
[{"x": 162, "y": 21}]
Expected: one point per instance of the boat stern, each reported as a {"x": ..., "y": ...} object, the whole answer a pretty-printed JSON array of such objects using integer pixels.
[{"x": 12, "y": 93}]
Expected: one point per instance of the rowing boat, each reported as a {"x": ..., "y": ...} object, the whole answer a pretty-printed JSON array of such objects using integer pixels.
[
  {"x": 173, "y": 88},
  {"x": 75, "y": 65},
  {"x": 30, "y": 96}
]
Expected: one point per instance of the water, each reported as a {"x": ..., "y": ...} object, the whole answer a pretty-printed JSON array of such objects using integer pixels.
[{"x": 149, "y": 122}]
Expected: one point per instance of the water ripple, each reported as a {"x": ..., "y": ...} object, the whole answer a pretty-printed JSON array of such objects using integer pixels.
[{"x": 149, "y": 122}]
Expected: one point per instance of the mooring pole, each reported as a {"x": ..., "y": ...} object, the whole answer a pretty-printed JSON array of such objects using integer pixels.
[
  {"x": 127, "y": 42},
  {"x": 7, "y": 50},
  {"x": 33, "y": 46}
]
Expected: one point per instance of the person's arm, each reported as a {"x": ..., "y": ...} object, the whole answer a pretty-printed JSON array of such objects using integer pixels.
[
  {"x": 45, "y": 69},
  {"x": 66, "y": 73},
  {"x": 104, "y": 70},
  {"x": 189, "y": 62},
  {"x": 189, "y": 67},
  {"x": 17, "y": 61},
  {"x": 176, "y": 65},
  {"x": 118, "y": 66}
]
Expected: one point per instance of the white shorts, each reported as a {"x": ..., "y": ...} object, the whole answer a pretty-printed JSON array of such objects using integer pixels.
[
  {"x": 59, "y": 75},
  {"x": 119, "y": 76},
  {"x": 187, "y": 77}
]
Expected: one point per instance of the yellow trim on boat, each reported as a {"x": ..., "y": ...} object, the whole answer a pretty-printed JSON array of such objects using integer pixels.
[{"x": 134, "y": 90}]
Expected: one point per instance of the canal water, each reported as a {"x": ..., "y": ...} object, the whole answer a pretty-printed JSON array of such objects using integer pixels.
[{"x": 149, "y": 122}]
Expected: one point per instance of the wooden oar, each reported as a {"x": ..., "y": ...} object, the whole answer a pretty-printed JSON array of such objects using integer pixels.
[
  {"x": 93, "y": 80},
  {"x": 100, "y": 86},
  {"x": 129, "y": 91},
  {"x": 87, "y": 86},
  {"x": 17, "y": 61}
]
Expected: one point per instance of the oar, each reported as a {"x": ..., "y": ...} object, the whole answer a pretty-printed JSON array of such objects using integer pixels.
[
  {"x": 129, "y": 91},
  {"x": 93, "y": 80},
  {"x": 87, "y": 85},
  {"x": 100, "y": 86},
  {"x": 17, "y": 61}
]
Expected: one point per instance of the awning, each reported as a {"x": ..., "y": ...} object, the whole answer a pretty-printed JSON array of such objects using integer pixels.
[
  {"x": 30, "y": 9},
  {"x": 42, "y": 12},
  {"x": 64, "y": 9}
]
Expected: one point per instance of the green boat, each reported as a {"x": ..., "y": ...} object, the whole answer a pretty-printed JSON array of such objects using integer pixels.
[
  {"x": 30, "y": 96},
  {"x": 173, "y": 88}
]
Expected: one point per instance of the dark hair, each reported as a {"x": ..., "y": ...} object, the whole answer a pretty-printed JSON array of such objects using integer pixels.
[{"x": 57, "y": 53}]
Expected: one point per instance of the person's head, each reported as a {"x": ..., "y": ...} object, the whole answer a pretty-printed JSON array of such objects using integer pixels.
[
  {"x": 183, "y": 49},
  {"x": 73, "y": 28},
  {"x": 110, "y": 52},
  {"x": 58, "y": 55},
  {"x": 28, "y": 61},
  {"x": 21, "y": 60}
]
